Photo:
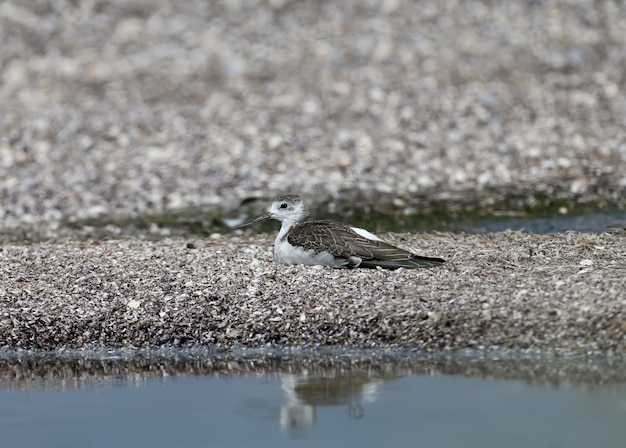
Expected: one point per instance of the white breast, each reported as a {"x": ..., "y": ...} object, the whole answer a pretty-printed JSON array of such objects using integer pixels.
[{"x": 288, "y": 254}]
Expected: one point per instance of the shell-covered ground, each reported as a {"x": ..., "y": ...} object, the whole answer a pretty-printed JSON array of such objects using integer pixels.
[
  {"x": 562, "y": 293},
  {"x": 129, "y": 108}
]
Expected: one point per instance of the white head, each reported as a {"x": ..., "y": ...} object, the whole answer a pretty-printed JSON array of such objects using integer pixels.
[{"x": 287, "y": 208}]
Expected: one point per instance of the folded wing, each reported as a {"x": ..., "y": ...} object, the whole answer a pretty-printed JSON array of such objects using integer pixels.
[{"x": 343, "y": 242}]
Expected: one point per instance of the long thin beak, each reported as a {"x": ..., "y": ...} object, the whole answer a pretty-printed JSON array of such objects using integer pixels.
[{"x": 254, "y": 221}]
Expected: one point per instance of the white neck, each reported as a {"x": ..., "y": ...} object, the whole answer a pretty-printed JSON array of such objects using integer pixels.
[{"x": 285, "y": 225}]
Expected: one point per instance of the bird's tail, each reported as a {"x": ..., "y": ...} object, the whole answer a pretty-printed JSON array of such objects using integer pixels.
[{"x": 413, "y": 262}]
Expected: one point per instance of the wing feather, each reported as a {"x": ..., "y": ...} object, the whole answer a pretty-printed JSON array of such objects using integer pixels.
[{"x": 343, "y": 242}]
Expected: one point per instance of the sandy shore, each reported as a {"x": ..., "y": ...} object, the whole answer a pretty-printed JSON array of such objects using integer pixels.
[{"x": 508, "y": 290}]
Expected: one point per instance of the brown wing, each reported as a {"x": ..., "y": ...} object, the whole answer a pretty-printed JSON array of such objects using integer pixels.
[{"x": 341, "y": 241}]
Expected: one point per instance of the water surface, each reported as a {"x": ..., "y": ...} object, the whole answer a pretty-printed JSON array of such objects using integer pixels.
[{"x": 331, "y": 399}]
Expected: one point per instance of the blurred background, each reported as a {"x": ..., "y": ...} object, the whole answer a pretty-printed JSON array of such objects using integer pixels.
[{"x": 124, "y": 109}]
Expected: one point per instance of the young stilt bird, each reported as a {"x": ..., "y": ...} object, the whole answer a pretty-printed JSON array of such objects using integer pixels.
[{"x": 331, "y": 243}]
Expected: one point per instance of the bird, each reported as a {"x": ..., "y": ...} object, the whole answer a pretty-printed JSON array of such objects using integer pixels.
[{"x": 329, "y": 243}]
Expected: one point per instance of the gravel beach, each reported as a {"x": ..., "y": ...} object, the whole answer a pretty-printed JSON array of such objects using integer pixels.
[
  {"x": 129, "y": 108},
  {"x": 506, "y": 290}
]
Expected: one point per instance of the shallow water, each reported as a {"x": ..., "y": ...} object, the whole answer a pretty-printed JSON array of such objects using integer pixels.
[
  {"x": 330, "y": 399},
  {"x": 375, "y": 217},
  {"x": 588, "y": 223}
]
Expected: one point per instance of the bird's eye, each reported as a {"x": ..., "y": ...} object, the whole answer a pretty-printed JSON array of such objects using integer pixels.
[{"x": 283, "y": 205}]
